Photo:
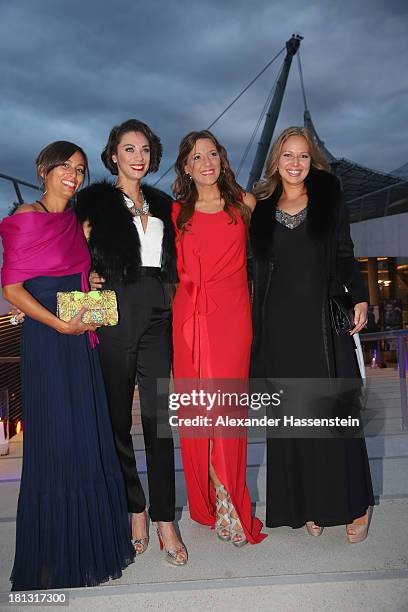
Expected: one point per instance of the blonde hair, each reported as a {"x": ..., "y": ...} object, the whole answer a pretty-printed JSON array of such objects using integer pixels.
[{"x": 271, "y": 180}]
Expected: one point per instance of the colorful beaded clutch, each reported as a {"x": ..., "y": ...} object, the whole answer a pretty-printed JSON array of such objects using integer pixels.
[{"x": 102, "y": 305}]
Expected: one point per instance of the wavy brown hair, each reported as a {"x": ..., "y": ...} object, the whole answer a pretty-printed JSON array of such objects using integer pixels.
[
  {"x": 186, "y": 192},
  {"x": 271, "y": 180},
  {"x": 115, "y": 135}
]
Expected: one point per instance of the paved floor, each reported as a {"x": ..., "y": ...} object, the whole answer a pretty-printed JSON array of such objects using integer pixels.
[{"x": 288, "y": 571}]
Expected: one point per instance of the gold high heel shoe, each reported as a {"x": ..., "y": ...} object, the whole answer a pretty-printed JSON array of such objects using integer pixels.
[
  {"x": 140, "y": 544},
  {"x": 178, "y": 556},
  {"x": 313, "y": 529},
  {"x": 223, "y": 523},
  {"x": 357, "y": 531}
]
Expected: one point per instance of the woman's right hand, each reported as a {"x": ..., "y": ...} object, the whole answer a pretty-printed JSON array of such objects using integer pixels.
[
  {"x": 17, "y": 316},
  {"x": 96, "y": 281},
  {"x": 76, "y": 327}
]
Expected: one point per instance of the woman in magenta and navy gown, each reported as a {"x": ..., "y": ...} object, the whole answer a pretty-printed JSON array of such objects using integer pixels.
[{"x": 72, "y": 522}]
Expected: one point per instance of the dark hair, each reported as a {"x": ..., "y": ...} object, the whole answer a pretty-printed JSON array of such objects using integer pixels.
[
  {"x": 116, "y": 133},
  {"x": 185, "y": 190},
  {"x": 55, "y": 154}
]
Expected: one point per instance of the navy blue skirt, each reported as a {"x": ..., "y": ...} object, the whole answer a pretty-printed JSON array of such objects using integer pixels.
[{"x": 72, "y": 519}]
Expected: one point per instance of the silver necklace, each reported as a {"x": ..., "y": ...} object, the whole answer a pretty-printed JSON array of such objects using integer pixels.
[{"x": 137, "y": 212}]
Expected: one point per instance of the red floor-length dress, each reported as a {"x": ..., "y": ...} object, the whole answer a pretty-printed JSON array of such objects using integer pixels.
[{"x": 212, "y": 336}]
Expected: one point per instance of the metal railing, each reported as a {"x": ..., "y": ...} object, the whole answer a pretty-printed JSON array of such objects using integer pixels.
[
  {"x": 401, "y": 336},
  {"x": 10, "y": 367},
  {"x": 16, "y": 184},
  {"x": 383, "y": 202}
]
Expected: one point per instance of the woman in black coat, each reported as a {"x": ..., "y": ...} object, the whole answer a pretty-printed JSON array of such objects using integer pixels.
[
  {"x": 303, "y": 255},
  {"x": 131, "y": 239}
]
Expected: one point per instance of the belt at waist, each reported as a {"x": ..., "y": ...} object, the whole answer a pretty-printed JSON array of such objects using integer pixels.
[{"x": 150, "y": 271}]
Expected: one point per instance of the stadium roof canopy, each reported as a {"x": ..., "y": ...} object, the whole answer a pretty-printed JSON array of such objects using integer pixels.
[
  {"x": 358, "y": 180},
  {"x": 368, "y": 193}
]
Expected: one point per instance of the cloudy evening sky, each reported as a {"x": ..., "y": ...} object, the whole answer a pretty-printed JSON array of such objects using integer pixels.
[{"x": 71, "y": 70}]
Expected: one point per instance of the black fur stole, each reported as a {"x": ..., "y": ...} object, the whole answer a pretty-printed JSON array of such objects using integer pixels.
[
  {"x": 114, "y": 242},
  {"x": 324, "y": 200}
]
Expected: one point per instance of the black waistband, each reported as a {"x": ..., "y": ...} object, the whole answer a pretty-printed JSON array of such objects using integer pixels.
[{"x": 149, "y": 271}]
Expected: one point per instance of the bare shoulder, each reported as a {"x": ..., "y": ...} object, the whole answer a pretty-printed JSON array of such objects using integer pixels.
[
  {"x": 249, "y": 199},
  {"x": 25, "y": 208}
]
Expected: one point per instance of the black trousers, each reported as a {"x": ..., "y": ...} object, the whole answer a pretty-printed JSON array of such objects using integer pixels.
[{"x": 141, "y": 346}]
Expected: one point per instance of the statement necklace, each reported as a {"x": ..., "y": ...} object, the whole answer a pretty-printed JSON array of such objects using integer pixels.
[
  {"x": 137, "y": 212},
  {"x": 288, "y": 220}
]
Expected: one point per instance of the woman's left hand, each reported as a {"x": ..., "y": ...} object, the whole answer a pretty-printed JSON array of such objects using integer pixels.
[{"x": 360, "y": 317}]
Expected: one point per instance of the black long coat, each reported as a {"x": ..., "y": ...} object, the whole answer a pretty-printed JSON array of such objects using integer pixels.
[
  {"x": 327, "y": 222},
  {"x": 114, "y": 241}
]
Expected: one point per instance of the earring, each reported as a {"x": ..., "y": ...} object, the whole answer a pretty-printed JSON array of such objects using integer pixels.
[
  {"x": 41, "y": 186},
  {"x": 190, "y": 178}
]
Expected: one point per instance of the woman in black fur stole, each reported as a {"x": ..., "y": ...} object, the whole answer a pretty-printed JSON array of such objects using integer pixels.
[
  {"x": 131, "y": 239},
  {"x": 303, "y": 257}
]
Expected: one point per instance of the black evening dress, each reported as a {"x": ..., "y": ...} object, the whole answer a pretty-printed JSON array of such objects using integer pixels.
[{"x": 325, "y": 480}]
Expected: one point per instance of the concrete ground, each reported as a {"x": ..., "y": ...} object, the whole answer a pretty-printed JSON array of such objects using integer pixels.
[{"x": 289, "y": 571}]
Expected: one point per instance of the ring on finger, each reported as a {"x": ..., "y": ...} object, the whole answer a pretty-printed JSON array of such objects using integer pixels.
[{"x": 14, "y": 320}]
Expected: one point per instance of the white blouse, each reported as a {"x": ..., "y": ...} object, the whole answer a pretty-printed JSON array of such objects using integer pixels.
[{"x": 151, "y": 241}]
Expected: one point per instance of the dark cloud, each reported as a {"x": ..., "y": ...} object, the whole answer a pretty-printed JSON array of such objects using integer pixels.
[{"x": 72, "y": 70}]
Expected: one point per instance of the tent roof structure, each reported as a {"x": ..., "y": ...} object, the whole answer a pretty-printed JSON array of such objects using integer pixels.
[
  {"x": 358, "y": 180},
  {"x": 368, "y": 193}
]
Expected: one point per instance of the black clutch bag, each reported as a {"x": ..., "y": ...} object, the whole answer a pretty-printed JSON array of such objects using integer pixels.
[{"x": 341, "y": 313}]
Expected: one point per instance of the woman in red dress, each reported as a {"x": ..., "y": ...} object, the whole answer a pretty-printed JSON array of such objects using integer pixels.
[{"x": 212, "y": 326}]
